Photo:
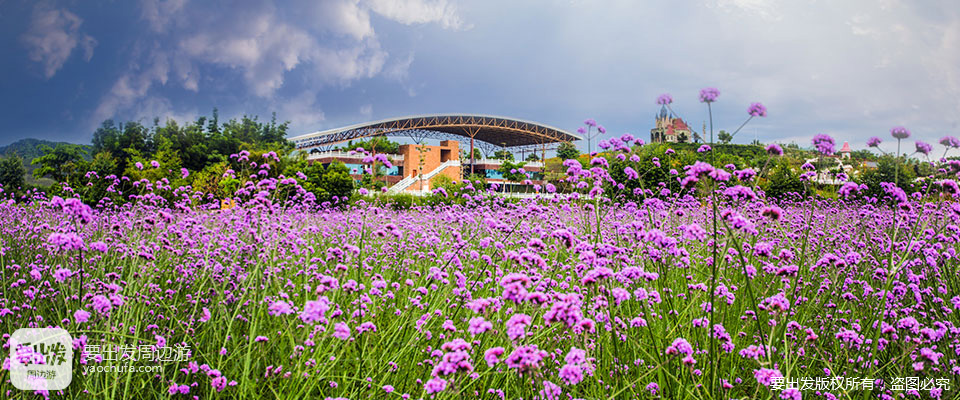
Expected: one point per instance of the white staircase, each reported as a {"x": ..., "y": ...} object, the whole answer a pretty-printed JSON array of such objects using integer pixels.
[
  {"x": 406, "y": 182},
  {"x": 403, "y": 184}
]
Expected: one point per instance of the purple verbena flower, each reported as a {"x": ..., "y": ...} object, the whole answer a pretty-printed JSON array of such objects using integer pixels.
[
  {"x": 950, "y": 141},
  {"x": 765, "y": 376},
  {"x": 899, "y": 132},
  {"x": 680, "y": 346},
  {"x": 824, "y": 144},
  {"x": 709, "y": 95},
  {"x": 774, "y": 150},
  {"x": 280, "y": 308}
]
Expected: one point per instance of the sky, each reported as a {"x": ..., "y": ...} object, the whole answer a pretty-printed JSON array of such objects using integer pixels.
[{"x": 851, "y": 69}]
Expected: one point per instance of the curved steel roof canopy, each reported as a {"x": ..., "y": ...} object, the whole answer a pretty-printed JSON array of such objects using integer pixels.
[{"x": 496, "y": 131}]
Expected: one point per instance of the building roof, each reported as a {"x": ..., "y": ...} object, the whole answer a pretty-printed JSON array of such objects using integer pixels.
[
  {"x": 845, "y": 148},
  {"x": 497, "y": 131}
]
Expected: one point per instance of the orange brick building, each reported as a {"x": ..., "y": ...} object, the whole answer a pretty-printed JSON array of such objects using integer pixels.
[{"x": 446, "y": 155}]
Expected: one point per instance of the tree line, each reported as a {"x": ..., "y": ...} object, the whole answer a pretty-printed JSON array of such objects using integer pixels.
[{"x": 196, "y": 154}]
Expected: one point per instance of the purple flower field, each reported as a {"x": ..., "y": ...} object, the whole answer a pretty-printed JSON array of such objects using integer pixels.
[
  {"x": 710, "y": 292},
  {"x": 538, "y": 299}
]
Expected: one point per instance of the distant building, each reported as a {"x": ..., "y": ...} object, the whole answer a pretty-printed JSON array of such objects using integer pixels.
[
  {"x": 845, "y": 150},
  {"x": 670, "y": 130},
  {"x": 415, "y": 166},
  {"x": 434, "y": 160}
]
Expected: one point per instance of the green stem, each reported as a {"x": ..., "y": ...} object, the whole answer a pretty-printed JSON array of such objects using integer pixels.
[{"x": 713, "y": 278}]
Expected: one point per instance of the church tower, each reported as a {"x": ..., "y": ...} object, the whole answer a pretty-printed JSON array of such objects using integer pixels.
[{"x": 668, "y": 129}]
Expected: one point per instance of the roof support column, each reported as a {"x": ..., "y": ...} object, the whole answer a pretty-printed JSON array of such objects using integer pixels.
[{"x": 472, "y": 132}]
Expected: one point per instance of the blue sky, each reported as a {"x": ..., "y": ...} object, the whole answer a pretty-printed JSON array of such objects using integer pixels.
[{"x": 851, "y": 69}]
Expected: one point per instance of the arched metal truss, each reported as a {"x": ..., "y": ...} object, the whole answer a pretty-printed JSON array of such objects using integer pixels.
[{"x": 489, "y": 132}]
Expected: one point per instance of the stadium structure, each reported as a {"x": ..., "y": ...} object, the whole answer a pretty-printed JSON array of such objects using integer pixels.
[{"x": 416, "y": 164}]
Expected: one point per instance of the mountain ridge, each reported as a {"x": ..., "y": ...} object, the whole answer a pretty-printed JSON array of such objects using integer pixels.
[{"x": 27, "y": 148}]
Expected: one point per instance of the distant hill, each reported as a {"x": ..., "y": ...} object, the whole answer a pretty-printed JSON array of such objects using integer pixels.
[{"x": 27, "y": 149}]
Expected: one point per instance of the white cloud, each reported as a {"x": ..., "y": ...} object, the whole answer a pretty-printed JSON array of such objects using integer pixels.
[
  {"x": 343, "y": 65},
  {"x": 159, "y": 13},
  {"x": 188, "y": 73},
  {"x": 162, "y": 109},
  {"x": 765, "y": 9},
  {"x": 366, "y": 111},
  {"x": 53, "y": 35},
  {"x": 343, "y": 17},
  {"x": 399, "y": 71},
  {"x": 333, "y": 39},
  {"x": 264, "y": 50},
  {"x": 133, "y": 86},
  {"x": 302, "y": 110},
  {"x": 411, "y": 12}
]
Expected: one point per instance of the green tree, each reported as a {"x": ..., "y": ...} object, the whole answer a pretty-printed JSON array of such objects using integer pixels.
[
  {"x": 533, "y": 157},
  {"x": 783, "y": 180},
  {"x": 512, "y": 171},
  {"x": 885, "y": 172},
  {"x": 207, "y": 181},
  {"x": 322, "y": 182},
  {"x": 567, "y": 151},
  {"x": 336, "y": 182},
  {"x": 167, "y": 158},
  {"x": 554, "y": 170},
  {"x": 863, "y": 155},
  {"x": 246, "y": 130},
  {"x": 136, "y": 136},
  {"x": 214, "y": 126},
  {"x": 445, "y": 182},
  {"x": 12, "y": 172},
  {"x": 190, "y": 143},
  {"x": 119, "y": 140},
  {"x": 57, "y": 163},
  {"x": 376, "y": 144},
  {"x": 372, "y": 181},
  {"x": 724, "y": 137},
  {"x": 503, "y": 155},
  {"x": 273, "y": 132},
  {"x": 107, "y": 138},
  {"x": 479, "y": 182},
  {"x": 95, "y": 188},
  {"x": 651, "y": 175}
]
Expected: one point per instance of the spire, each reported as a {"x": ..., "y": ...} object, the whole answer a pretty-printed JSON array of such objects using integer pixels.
[{"x": 663, "y": 111}]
